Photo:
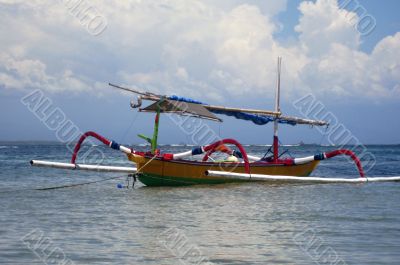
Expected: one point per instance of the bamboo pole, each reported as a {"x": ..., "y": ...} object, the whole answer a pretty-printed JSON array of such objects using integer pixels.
[
  {"x": 275, "y": 178},
  {"x": 98, "y": 168}
]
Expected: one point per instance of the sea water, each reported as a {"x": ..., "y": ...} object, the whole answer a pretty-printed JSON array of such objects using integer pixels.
[{"x": 250, "y": 223}]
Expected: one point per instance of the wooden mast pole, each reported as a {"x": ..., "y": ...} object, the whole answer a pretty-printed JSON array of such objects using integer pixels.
[{"x": 277, "y": 109}]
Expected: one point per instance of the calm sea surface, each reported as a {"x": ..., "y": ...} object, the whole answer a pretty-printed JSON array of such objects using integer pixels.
[{"x": 222, "y": 224}]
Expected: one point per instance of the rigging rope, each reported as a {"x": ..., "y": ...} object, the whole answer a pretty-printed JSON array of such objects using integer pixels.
[{"x": 129, "y": 128}]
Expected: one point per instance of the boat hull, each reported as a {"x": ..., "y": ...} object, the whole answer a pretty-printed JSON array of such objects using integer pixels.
[{"x": 158, "y": 172}]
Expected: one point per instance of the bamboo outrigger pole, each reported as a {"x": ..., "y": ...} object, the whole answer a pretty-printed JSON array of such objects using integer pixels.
[
  {"x": 295, "y": 179},
  {"x": 97, "y": 168}
]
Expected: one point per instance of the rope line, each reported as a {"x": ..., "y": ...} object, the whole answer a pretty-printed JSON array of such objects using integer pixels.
[
  {"x": 60, "y": 187},
  {"x": 129, "y": 128},
  {"x": 139, "y": 169},
  {"x": 77, "y": 184}
]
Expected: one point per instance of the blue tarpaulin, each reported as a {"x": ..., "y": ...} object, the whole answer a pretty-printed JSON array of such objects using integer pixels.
[
  {"x": 188, "y": 100},
  {"x": 255, "y": 118}
]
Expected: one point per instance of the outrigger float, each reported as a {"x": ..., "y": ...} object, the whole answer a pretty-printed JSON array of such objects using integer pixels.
[{"x": 154, "y": 168}]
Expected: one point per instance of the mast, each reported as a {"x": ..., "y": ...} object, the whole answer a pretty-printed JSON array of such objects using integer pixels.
[
  {"x": 155, "y": 132},
  {"x": 277, "y": 109}
]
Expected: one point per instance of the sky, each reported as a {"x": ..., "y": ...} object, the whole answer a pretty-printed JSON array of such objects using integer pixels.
[{"x": 341, "y": 61}]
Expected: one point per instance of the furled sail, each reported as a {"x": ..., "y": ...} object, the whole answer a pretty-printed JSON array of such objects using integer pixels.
[
  {"x": 187, "y": 106},
  {"x": 259, "y": 117}
]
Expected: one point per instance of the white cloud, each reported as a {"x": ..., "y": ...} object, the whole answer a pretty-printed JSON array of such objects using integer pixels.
[
  {"x": 20, "y": 74},
  {"x": 336, "y": 72},
  {"x": 245, "y": 41},
  {"x": 384, "y": 67},
  {"x": 323, "y": 24},
  {"x": 206, "y": 49},
  {"x": 343, "y": 71}
]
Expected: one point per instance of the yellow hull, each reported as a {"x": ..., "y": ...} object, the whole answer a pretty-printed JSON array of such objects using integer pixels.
[{"x": 158, "y": 172}]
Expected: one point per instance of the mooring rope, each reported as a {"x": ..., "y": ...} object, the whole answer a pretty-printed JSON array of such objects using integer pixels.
[
  {"x": 77, "y": 184},
  {"x": 61, "y": 187},
  {"x": 148, "y": 162}
]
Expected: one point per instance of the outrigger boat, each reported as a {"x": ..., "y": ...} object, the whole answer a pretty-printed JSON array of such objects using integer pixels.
[{"x": 154, "y": 168}]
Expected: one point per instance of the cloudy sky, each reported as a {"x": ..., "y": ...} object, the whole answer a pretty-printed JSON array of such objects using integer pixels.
[{"x": 345, "y": 53}]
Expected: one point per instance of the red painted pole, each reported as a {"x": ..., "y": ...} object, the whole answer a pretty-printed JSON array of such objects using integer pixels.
[
  {"x": 348, "y": 153},
  {"x": 276, "y": 148},
  {"x": 83, "y": 137},
  {"x": 212, "y": 147}
]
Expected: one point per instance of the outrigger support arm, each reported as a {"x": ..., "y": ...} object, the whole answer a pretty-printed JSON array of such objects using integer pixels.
[
  {"x": 211, "y": 148},
  {"x": 102, "y": 139}
]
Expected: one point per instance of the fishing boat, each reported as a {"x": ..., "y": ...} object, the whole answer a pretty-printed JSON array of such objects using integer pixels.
[{"x": 156, "y": 168}]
